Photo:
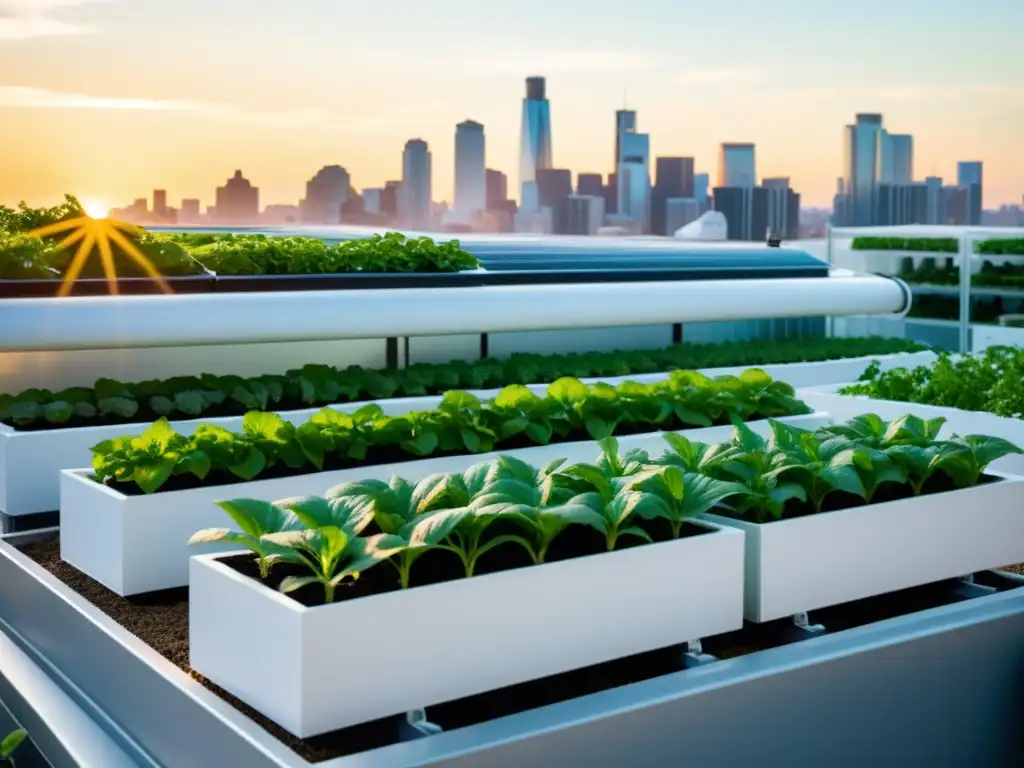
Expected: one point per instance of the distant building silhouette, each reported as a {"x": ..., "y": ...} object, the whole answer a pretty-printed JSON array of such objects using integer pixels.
[
  {"x": 238, "y": 201},
  {"x": 470, "y": 172},
  {"x": 535, "y": 133},
  {"x": 590, "y": 184},
  {"x": 326, "y": 193},
  {"x": 554, "y": 185},
  {"x": 415, "y": 206}
]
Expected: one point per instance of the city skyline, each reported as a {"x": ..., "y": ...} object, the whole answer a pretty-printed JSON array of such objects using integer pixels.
[{"x": 85, "y": 123}]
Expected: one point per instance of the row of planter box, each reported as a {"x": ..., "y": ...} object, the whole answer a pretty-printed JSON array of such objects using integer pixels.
[
  {"x": 480, "y": 634},
  {"x": 30, "y": 462}
]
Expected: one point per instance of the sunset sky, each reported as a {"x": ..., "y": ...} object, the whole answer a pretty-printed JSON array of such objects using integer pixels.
[{"x": 108, "y": 99}]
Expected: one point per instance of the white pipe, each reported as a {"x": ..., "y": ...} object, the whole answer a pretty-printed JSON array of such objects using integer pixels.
[{"x": 101, "y": 322}]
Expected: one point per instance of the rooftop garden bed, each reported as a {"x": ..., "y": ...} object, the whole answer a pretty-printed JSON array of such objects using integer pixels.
[
  {"x": 991, "y": 382},
  {"x": 209, "y": 396},
  {"x": 994, "y": 246}
]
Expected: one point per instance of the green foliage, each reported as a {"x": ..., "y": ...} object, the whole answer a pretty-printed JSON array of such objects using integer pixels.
[
  {"x": 926, "y": 244},
  {"x": 190, "y": 397},
  {"x": 990, "y": 381},
  {"x": 461, "y": 424},
  {"x": 10, "y": 744},
  {"x": 228, "y": 254},
  {"x": 507, "y": 501}
]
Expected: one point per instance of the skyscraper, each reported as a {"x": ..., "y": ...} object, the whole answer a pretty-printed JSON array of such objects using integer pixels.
[
  {"x": 160, "y": 203},
  {"x": 895, "y": 158},
  {"x": 701, "y": 184},
  {"x": 736, "y": 167},
  {"x": 414, "y": 200},
  {"x": 745, "y": 210},
  {"x": 497, "y": 189},
  {"x": 860, "y": 169},
  {"x": 673, "y": 179},
  {"x": 590, "y": 184},
  {"x": 238, "y": 201},
  {"x": 326, "y": 192},
  {"x": 783, "y": 208},
  {"x": 625, "y": 122},
  {"x": 969, "y": 176},
  {"x": 535, "y": 137},
  {"x": 634, "y": 179},
  {"x": 680, "y": 211},
  {"x": 470, "y": 171},
  {"x": 585, "y": 214},
  {"x": 554, "y": 185}
]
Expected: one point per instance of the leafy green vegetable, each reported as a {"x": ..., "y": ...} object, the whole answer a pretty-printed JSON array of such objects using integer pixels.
[
  {"x": 522, "y": 411},
  {"x": 257, "y": 520}
]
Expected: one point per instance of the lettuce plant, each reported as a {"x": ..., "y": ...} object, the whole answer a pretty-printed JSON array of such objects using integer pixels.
[
  {"x": 681, "y": 496},
  {"x": 150, "y": 459},
  {"x": 257, "y": 520},
  {"x": 965, "y": 458},
  {"x": 821, "y": 466},
  {"x": 330, "y": 553}
]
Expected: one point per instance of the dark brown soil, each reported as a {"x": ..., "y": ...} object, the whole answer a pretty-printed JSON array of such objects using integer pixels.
[{"x": 161, "y": 621}]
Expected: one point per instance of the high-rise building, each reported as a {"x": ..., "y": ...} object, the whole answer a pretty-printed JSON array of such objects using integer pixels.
[
  {"x": 238, "y": 201},
  {"x": 969, "y": 176},
  {"x": 634, "y": 179},
  {"x": 585, "y": 214},
  {"x": 372, "y": 199},
  {"x": 701, "y": 185},
  {"x": 625, "y": 122},
  {"x": 935, "y": 210},
  {"x": 745, "y": 210},
  {"x": 590, "y": 184},
  {"x": 470, "y": 171},
  {"x": 554, "y": 185},
  {"x": 783, "y": 208},
  {"x": 901, "y": 204},
  {"x": 611, "y": 194},
  {"x": 189, "y": 210},
  {"x": 415, "y": 205},
  {"x": 736, "y": 166},
  {"x": 160, "y": 203},
  {"x": 389, "y": 199},
  {"x": 860, "y": 169},
  {"x": 673, "y": 179},
  {"x": 497, "y": 189},
  {"x": 535, "y": 136},
  {"x": 895, "y": 158},
  {"x": 326, "y": 193},
  {"x": 680, "y": 211}
]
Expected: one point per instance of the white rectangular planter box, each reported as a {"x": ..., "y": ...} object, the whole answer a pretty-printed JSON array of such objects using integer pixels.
[
  {"x": 30, "y": 462},
  {"x": 351, "y": 662},
  {"x": 816, "y": 561},
  {"x": 958, "y": 422},
  {"x": 984, "y": 336},
  {"x": 136, "y": 544}
]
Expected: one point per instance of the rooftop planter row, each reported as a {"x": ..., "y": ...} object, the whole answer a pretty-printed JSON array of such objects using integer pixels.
[
  {"x": 984, "y": 309},
  {"x": 540, "y": 547},
  {"x": 1010, "y": 246},
  {"x": 211, "y": 396},
  {"x": 32, "y": 454},
  {"x": 991, "y": 275}
]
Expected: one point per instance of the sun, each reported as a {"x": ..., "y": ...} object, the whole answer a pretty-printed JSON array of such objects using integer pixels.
[{"x": 96, "y": 210}]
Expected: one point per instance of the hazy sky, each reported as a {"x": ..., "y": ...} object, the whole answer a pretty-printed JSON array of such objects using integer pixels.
[{"x": 110, "y": 98}]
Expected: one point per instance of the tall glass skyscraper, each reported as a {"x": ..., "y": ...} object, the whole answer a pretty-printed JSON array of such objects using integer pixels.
[
  {"x": 535, "y": 138},
  {"x": 969, "y": 177},
  {"x": 895, "y": 158},
  {"x": 860, "y": 169},
  {"x": 633, "y": 177},
  {"x": 414, "y": 200},
  {"x": 736, "y": 166},
  {"x": 625, "y": 122},
  {"x": 470, "y": 170}
]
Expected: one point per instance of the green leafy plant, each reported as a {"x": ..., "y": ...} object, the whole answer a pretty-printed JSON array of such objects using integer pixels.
[
  {"x": 256, "y": 520},
  {"x": 521, "y": 411},
  {"x": 10, "y": 744},
  {"x": 150, "y": 459},
  {"x": 331, "y": 554}
]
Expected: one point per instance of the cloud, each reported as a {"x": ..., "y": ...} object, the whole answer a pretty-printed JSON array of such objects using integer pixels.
[
  {"x": 24, "y": 97},
  {"x": 28, "y": 19},
  {"x": 719, "y": 76}
]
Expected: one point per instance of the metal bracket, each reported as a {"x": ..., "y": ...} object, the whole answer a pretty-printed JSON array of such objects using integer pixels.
[
  {"x": 966, "y": 587},
  {"x": 694, "y": 655},
  {"x": 801, "y": 628},
  {"x": 415, "y": 725}
]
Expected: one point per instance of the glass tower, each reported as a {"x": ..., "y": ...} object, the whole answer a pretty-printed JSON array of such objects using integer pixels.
[{"x": 535, "y": 139}]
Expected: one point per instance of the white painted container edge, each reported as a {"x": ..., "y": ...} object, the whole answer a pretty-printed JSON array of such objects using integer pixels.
[
  {"x": 807, "y": 563},
  {"x": 479, "y": 634},
  {"x": 153, "y": 529}
]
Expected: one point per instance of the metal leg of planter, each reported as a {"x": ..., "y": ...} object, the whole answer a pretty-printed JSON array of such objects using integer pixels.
[
  {"x": 966, "y": 587},
  {"x": 416, "y": 726},
  {"x": 694, "y": 655},
  {"x": 802, "y": 629}
]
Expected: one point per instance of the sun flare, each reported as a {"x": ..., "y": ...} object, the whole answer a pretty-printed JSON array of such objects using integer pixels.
[
  {"x": 95, "y": 210},
  {"x": 95, "y": 230}
]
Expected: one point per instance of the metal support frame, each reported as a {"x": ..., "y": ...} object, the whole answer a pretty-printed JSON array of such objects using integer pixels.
[
  {"x": 968, "y": 588},
  {"x": 694, "y": 656},
  {"x": 800, "y": 628},
  {"x": 415, "y": 725}
]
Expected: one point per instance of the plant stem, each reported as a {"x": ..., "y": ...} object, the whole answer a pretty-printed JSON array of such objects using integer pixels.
[
  {"x": 264, "y": 566},
  {"x": 610, "y": 539},
  {"x": 328, "y": 592},
  {"x": 677, "y": 527}
]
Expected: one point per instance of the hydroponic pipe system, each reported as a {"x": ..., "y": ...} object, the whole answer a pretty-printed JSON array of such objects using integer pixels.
[{"x": 200, "y": 319}]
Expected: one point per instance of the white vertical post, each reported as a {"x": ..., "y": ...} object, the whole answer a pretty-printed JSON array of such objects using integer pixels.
[{"x": 964, "y": 264}]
